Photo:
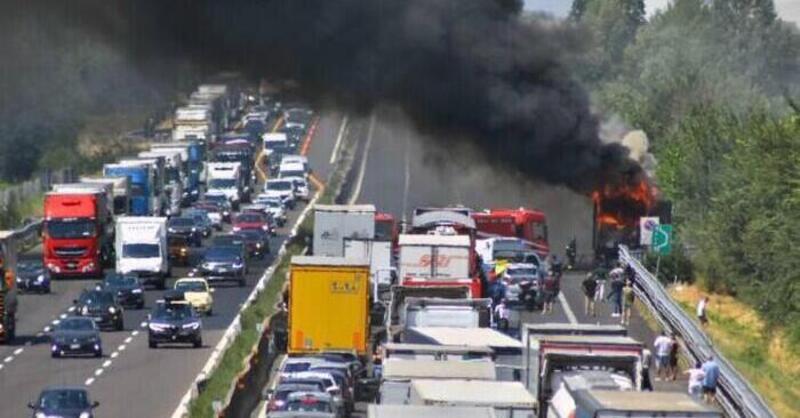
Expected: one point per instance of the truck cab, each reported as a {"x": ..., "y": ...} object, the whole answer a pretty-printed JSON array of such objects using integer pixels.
[
  {"x": 159, "y": 199},
  {"x": 140, "y": 177},
  {"x": 227, "y": 179},
  {"x": 527, "y": 224}
]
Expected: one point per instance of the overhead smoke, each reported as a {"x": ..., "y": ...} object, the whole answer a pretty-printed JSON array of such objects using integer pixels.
[{"x": 461, "y": 69}]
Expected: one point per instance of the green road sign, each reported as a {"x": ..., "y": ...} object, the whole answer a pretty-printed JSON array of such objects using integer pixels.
[{"x": 662, "y": 239}]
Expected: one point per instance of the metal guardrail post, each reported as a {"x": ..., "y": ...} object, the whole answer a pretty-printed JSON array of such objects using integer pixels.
[{"x": 736, "y": 396}]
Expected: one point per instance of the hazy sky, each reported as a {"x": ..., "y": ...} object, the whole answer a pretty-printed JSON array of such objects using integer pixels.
[{"x": 787, "y": 9}]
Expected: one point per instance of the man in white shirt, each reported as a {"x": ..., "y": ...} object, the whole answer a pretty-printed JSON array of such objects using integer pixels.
[
  {"x": 662, "y": 346},
  {"x": 702, "y": 306},
  {"x": 501, "y": 315}
]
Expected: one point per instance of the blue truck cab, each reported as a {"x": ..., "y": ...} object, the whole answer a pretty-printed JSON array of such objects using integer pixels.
[
  {"x": 158, "y": 194},
  {"x": 140, "y": 177},
  {"x": 195, "y": 157}
]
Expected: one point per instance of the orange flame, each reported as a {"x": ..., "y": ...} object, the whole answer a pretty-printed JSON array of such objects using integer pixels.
[{"x": 620, "y": 206}]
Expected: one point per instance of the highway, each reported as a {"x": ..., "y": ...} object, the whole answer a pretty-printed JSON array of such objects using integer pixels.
[{"x": 131, "y": 380}]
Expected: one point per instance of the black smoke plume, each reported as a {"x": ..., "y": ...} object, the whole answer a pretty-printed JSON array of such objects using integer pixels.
[{"x": 461, "y": 69}]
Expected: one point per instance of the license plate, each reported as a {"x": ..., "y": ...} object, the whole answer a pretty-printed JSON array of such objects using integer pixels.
[
  {"x": 74, "y": 346},
  {"x": 223, "y": 270},
  {"x": 97, "y": 319}
]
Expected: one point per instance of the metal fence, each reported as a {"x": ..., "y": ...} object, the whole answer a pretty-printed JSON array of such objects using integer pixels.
[
  {"x": 735, "y": 395},
  {"x": 35, "y": 186}
]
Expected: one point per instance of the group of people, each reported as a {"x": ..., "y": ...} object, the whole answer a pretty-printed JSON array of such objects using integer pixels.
[
  {"x": 620, "y": 292},
  {"x": 703, "y": 377}
]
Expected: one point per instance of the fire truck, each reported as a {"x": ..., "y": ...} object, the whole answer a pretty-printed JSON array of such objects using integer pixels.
[{"x": 526, "y": 224}]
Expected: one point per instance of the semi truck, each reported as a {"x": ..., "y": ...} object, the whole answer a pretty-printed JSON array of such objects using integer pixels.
[
  {"x": 334, "y": 223},
  {"x": 194, "y": 123},
  {"x": 140, "y": 177},
  {"x": 526, "y": 224},
  {"x": 141, "y": 248},
  {"x": 193, "y": 156},
  {"x": 77, "y": 232},
  {"x": 508, "y": 399},
  {"x": 120, "y": 190},
  {"x": 159, "y": 201},
  {"x": 437, "y": 260},
  {"x": 612, "y": 404},
  {"x": 379, "y": 254},
  {"x": 174, "y": 176},
  {"x": 398, "y": 374},
  {"x": 328, "y": 305}
]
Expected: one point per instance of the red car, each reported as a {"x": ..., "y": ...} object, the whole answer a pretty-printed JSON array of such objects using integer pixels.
[{"x": 251, "y": 220}]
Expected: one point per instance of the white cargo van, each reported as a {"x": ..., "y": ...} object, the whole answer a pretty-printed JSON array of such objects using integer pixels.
[
  {"x": 141, "y": 246},
  {"x": 226, "y": 178}
]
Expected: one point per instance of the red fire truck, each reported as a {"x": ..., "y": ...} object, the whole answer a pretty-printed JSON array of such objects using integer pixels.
[{"x": 527, "y": 224}]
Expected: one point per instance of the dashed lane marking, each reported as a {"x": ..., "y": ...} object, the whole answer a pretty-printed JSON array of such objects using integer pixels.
[
  {"x": 128, "y": 340},
  {"x": 47, "y": 328},
  {"x": 115, "y": 354},
  {"x": 335, "y": 153},
  {"x": 71, "y": 309},
  {"x": 143, "y": 324},
  {"x": 567, "y": 309},
  {"x": 8, "y": 359},
  {"x": 135, "y": 333},
  {"x": 106, "y": 363},
  {"x": 17, "y": 351},
  {"x": 63, "y": 316},
  {"x": 98, "y": 372},
  {"x": 121, "y": 347},
  {"x": 89, "y": 381}
]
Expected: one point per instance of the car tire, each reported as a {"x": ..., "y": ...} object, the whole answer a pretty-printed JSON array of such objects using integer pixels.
[
  {"x": 98, "y": 353},
  {"x": 120, "y": 325},
  {"x": 54, "y": 354},
  {"x": 198, "y": 342},
  {"x": 152, "y": 344}
]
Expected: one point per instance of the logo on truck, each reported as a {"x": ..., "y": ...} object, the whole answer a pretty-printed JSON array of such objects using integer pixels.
[
  {"x": 344, "y": 286},
  {"x": 441, "y": 260}
]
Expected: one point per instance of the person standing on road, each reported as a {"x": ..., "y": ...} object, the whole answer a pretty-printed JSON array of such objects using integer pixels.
[
  {"x": 673, "y": 358},
  {"x": 589, "y": 291},
  {"x": 550, "y": 291},
  {"x": 616, "y": 293},
  {"x": 696, "y": 376},
  {"x": 501, "y": 315},
  {"x": 662, "y": 346},
  {"x": 702, "y": 308},
  {"x": 710, "y": 379},
  {"x": 556, "y": 266},
  {"x": 627, "y": 303},
  {"x": 647, "y": 361},
  {"x": 600, "y": 274}
]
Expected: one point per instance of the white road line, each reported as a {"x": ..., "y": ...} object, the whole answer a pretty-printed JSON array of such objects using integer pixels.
[
  {"x": 567, "y": 309},
  {"x": 17, "y": 351},
  {"x": 1, "y": 367},
  {"x": 47, "y": 329},
  {"x": 89, "y": 381},
  {"x": 106, "y": 363},
  {"x": 98, "y": 372},
  {"x": 71, "y": 309},
  {"x": 128, "y": 340},
  {"x": 39, "y": 335},
  {"x": 135, "y": 333},
  {"x": 121, "y": 347},
  {"x": 143, "y": 324},
  {"x": 8, "y": 359},
  {"x": 56, "y": 322},
  {"x": 363, "y": 168},
  {"x": 114, "y": 354},
  {"x": 63, "y": 316},
  {"x": 335, "y": 153}
]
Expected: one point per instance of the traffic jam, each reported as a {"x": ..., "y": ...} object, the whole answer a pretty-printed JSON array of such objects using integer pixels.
[
  {"x": 185, "y": 217},
  {"x": 426, "y": 319}
]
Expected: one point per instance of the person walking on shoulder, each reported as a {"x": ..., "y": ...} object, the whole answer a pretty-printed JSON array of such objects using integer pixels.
[
  {"x": 501, "y": 315},
  {"x": 627, "y": 303},
  {"x": 616, "y": 294},
  {"x": 702, "y": 313},
  {"x": 589, "y": 291},
  {"x": 696, "y": 376},
  {"x": 647, "y": 361},
  {"x": 662, "y": 346},
  {"x": 710, "y": 380}
]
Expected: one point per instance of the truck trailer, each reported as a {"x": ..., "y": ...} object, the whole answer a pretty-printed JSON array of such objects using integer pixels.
[
  {"x": 508, "y": 399},
  {"x": 328, "y": 305},
  {"x": 334, "y": 223}
]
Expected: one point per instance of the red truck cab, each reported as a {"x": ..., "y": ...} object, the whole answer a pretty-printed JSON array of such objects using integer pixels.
[
  {"x": 387, "y": 229},
  {"x": 76, "y": 232},
  {"x": 526, "y": 224}
]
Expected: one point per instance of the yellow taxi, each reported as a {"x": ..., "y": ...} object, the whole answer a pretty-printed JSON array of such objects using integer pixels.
[{"x": 197, "y": 292}]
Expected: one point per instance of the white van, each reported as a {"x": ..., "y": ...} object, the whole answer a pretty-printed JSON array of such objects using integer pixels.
[
  {"x": 141, "y": 246},
  {"x": 226, "y": 178}
]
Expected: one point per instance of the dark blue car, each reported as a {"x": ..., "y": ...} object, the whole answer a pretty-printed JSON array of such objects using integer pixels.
[
  {"x": 64, "y": 401},
  {"x": 32, "y": 276}
]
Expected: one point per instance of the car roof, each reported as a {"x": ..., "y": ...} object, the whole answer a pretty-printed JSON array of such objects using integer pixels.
[
  {"x": 303, "y": 394},
  {"x": 65, "y": 387}
]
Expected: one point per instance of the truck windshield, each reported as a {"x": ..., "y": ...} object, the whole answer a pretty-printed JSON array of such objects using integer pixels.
[
  {"x": 83, "y": 228},
  {"x": 141, "y": 251},
  {"x": 222, "y": 184},
  {"x": 280, "y": 185},
  {"x": 384, "y": 231}
]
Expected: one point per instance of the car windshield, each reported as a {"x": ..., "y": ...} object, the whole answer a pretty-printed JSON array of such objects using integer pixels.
[
  {"x": 60, "y": 399},
  {"x": 319, "y": 387},
  {"x": 216, "y": 198},
  {"x": 524, "y": 271},
  {"x": 96, "y": 298},
  {"x": 296, "y": 367},
  {"x": 70, "y": 229},
  {"x": 141, "y": 251},
  {"x": 191, "y": 286},
  {"x": 308, "y": 404},
  {"x": 249, "y": 218},
  {"x": 228, "y": 240},
  {"x": 188, "y": 222},
  {"x": 30, "y": 266},
  {"x": 121, "y": 280},
  {"x": 292, "y": 173},
  {"x": 76, "y": 324},
  {"x": 384, "y": 231},
  {"x": 279, "y": 185},
  {"x": 221, "y": 183},
  {"x": 222, "y": 253},
  {"x": 172, "y": 312},
  {"x": 271, "y": 203}
]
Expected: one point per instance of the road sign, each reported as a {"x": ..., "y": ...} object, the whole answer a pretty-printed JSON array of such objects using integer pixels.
[
  {"x": 646, "y": 226},
  {"x": 662, "y": 239}
]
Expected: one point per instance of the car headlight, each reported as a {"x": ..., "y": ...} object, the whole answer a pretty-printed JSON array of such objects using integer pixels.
[
  {"x": 157, "y": 327},
  {"x": 40, "y": 278},
  {"x": 136, "y": 291},
  {"x": 85, "y": 415},
  {"x": 112, "y": 310},
  {"x": 191, "y": 325},
  {"x": 42, "y": 415},
  {"x": 194, "y": 229}
]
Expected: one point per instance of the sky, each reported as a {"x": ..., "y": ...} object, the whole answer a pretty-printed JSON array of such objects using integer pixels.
[{"x": 787, "y": 9}]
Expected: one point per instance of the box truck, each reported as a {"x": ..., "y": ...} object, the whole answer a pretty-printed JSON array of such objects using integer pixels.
[
  {"x": 334, "y": 223},
  {"x": 141, "y": 246},
  {"x": 398, "y": 374},
  {"x": 508, "y": 399},
  {"x": 120, "y": 190},
  {"x": 328, "y": 305},
  {"x": 437, "y": 260}
]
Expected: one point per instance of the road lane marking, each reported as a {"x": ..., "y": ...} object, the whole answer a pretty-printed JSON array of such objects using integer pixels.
[
  {"x": 363, "y": 168},
  {"x": 71, "y": 309},
  {"x": 143, "y": 324},
  {"x": 135, "y": 333},
  {"x": 128, "y": 340},
  {"x": 89, "y": 381},
  {"x": 114, "y": 354},
  {"x": 335, "y": 153},
  {"x": 47, "y": 328},
  {"x": 106, "y": 363},
  {"x": 63, "y": 316},
  {"x": 17, "y": 351},
  {"x": 121, "y": 347},
  {"x": 98, "y": 372},
  {"x": 567, "y": 309},
  {"x": 56, "y": 322},
  {"x": 8, "y": 359},
  {"x": 309, "y": 136},
  {"x": 1, "y": 367}
]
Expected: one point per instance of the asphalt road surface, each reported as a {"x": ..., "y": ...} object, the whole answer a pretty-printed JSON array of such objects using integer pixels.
[{"x": 131, "y": 380}]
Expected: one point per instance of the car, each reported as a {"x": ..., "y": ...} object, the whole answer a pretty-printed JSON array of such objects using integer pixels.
[
  {"x": 223, "y": 263},
  {"x": 273, "y": 206},
  {"x": 179, "y": 249},
  {"x": 231, "y": 240},
  {"x": 301, "y": 191},
  {"x": 223, "y": 203},
  {"x": 102, "y": 307},
  {"x": 282, "y": 189},
  {"x": 308, "y": 404},
  {"x": 326, "y": 379},
  {"x": 256, "y": 242},
  {"x": 201, "y": 219},
  {"x": 522, "y": 284},
  {"x": 197, "y": 292},
  {"x": 343, "y": 376},
  {"x": 63, "y": 401},
  {"x": 250, "y": 220},
  {"x": 32, "y": 276},
  {"x": 187, "y": 227},
  {"x": 174, "y": 322},
  {"x": 276, "y": 400},
  {"x": 75, "y": 335},
  {"x": 215, "y": 212},
  {"x": 297, "y": 118},
  {"x": 128, "y": 289}
]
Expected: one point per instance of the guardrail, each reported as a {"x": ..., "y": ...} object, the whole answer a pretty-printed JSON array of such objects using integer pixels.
[{"x": 736, "y": 396}]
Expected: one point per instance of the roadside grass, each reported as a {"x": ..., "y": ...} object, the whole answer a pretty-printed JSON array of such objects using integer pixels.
[{"x": 761, "y": 354}]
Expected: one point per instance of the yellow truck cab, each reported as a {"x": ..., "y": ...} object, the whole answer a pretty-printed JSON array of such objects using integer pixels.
[{"x": 197, "y": 292}]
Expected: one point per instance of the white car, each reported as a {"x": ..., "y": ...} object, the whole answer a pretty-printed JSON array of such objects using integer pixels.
[
  {"x": 274, "y": 207},
  {"x": 301, "y": 191},
  {"x": 282, "y": 189}
]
